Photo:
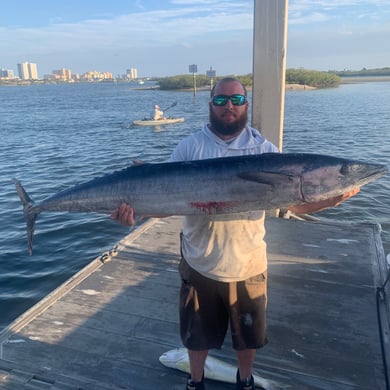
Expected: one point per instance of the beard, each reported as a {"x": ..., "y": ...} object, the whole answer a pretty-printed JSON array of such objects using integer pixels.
[{"x": 232, "y": 128}]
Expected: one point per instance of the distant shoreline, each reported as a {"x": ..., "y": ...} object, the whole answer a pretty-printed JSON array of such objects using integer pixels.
[
  {"x": 344, "y": 80},
  {"x": 288, "y": 87},
  {"x": 291, "y": 87},
  {"x": 363, "y": 79}
]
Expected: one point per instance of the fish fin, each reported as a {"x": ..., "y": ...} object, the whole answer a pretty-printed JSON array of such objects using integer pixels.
[
  {"x": 268, "y": 178},
  {"x": 24, "y": 197},
  {"x": 29, "y": 215},
  {"x": 136, "y": 163}
]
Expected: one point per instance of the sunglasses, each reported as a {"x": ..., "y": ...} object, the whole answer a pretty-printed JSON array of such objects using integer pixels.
[{"x": 221, "y": 100}]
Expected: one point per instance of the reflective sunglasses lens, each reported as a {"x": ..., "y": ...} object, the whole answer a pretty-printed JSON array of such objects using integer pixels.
[
  {"x": 238, "y": 100},
  {"x": 220, "y": 100}
]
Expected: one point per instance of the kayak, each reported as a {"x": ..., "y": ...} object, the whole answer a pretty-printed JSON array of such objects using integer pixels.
[{"x": 151, "y": 122}]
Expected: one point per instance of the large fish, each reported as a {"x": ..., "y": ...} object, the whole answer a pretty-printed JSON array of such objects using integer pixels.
[
  {"x": 214, "y": 368},
  {"x": 212, "y": 186}
]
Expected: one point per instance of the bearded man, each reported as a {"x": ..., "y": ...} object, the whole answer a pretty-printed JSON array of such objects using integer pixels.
[{"x": 223, "y": 267}]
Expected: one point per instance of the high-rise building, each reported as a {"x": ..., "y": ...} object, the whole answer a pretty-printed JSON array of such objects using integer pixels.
[
  {"x": 62, "y": 74},
  {"x": 131, "y": 73},
  {"x": 23, "y": 71},
  {"x": 6, "y": 74},
  {"x": 33, "y": 71},
  {"x": 28, "y": 71}
]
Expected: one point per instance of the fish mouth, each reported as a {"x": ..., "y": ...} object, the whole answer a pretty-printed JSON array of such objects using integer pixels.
[{"x": 374, "y": 172}]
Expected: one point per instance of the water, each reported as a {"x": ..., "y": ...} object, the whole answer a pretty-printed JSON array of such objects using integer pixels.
[
  {"x": 351, "y": 121},
  {"x": 54, "y": 136}
]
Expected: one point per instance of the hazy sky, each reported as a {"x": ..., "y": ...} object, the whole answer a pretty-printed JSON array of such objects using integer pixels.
[{"x": 161, "y": 38}]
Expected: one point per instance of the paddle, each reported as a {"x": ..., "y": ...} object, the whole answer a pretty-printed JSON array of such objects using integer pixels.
[{"x": 172, "y": 105}]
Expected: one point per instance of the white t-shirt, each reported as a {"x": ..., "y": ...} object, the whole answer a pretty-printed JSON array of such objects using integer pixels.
[
  {"x": 228, "y": 247},
  {"x": 157, "y": 114}
]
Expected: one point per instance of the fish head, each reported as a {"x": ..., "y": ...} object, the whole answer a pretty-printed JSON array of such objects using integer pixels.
[
  {"x": 335, "y": 176},
  {"x": 176, "y": 358}
]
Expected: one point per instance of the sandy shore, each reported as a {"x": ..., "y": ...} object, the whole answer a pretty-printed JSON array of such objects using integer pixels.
[{"x": 299, "y": 87}]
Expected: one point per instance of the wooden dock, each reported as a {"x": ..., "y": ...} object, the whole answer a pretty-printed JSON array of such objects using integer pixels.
[{"x": 106, "y": 327}]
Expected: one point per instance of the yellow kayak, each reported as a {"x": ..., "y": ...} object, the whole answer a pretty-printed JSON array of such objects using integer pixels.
[{"x": 151, "y": 122}]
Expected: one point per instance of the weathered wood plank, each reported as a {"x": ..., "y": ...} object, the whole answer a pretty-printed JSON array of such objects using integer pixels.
[{"x": 109, "y": 329}]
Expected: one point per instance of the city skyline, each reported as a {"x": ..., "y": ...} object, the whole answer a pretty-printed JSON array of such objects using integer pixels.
[
  {"x": 29, "y": 71},
  {"x": 161, "y": 38}
]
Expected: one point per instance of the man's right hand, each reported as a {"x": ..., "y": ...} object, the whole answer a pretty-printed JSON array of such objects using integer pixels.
[{"x": 124, "y": 214}]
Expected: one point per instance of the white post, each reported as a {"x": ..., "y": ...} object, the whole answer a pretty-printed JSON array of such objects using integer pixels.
[{"x": 269, "y": 68}]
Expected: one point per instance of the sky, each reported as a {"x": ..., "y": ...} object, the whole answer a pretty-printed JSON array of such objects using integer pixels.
[{"x": 162, "y": 38}]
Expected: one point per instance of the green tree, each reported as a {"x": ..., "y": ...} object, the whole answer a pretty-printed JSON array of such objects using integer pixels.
[
  {"x": 182, "y": 82},
  {"x": 313, "y": 78}
]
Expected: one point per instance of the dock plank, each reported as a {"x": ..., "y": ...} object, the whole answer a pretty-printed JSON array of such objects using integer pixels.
[{"x": 106, "y": 329}]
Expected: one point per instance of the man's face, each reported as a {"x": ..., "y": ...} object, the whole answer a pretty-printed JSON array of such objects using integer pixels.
[{"x": 228, "y": 120}]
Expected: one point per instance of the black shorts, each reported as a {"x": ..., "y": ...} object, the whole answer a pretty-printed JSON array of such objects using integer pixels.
[{"x": 207, "y": 307}]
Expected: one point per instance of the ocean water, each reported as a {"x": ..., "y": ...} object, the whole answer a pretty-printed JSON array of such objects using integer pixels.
[
  {"x": 351, "y": 121},
  {"x": 55, "y": 136}
]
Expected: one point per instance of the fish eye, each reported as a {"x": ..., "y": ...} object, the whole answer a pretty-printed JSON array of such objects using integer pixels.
[{"x": 345, "y": 169}]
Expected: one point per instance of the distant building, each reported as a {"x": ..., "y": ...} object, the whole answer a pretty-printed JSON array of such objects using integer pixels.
[
  {"x": 96, "y": 76},
  {"x": 23, "y": 71},
  {"x": 62, "y": 74},
  {"x": 28, "y": 71},
  {"x": 131, "y": 74},
  {"x": 33, "y": 71},
  {"x": 6, "y": 74}
]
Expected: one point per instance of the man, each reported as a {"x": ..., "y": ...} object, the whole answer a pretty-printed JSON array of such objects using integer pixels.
[
  {"x": 224, "y": 263},
  {"x": 157, "y": 113}
]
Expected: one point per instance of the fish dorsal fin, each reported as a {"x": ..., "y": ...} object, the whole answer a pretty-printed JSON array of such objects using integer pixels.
[
  {"x": 267, "y": 178},
  {"x": 137, "y": 163}
]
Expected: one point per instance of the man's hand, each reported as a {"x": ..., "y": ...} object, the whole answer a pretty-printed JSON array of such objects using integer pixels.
[
  {"x": 308, "y": 208},
  {"x": 124, "y": 214}
]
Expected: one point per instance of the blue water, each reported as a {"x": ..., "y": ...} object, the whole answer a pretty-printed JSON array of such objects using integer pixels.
[{"x": 54, "y": 136}]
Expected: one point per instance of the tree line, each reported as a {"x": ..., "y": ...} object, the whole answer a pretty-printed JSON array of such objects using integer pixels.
[
  {"x": 312, "y": 78},
  {"x": 364, "y": 72}
]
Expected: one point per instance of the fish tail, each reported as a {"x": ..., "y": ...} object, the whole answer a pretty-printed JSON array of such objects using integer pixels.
[{"x": 29, "y": 215}]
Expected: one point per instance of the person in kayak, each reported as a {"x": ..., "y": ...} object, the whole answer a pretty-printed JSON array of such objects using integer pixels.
[
  {"x": 157, "y": 114},
  {"x": 223, "y": 268}
]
